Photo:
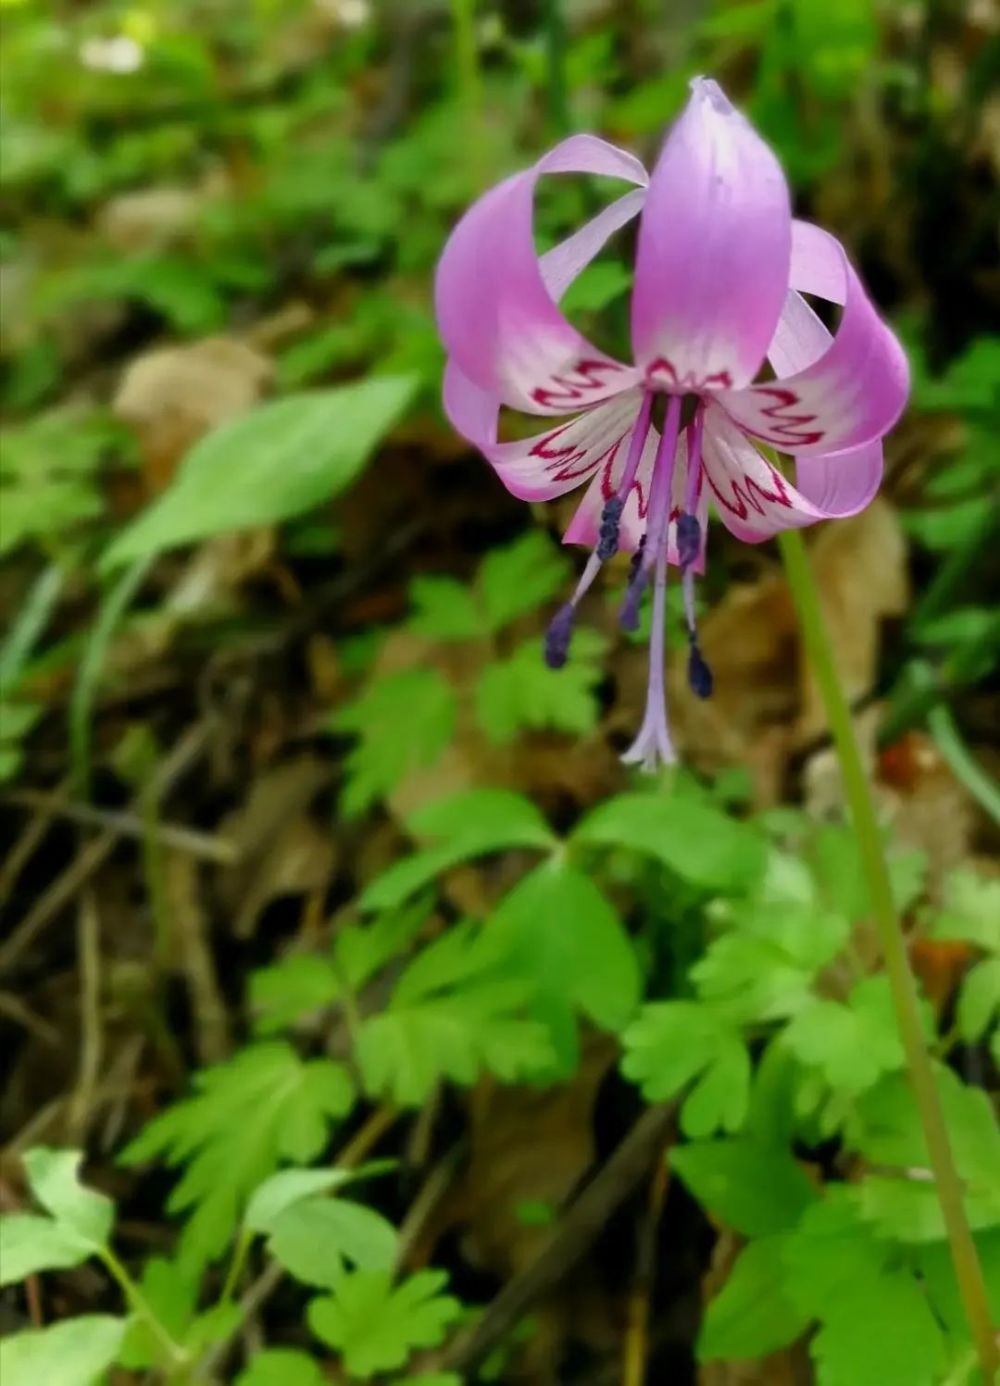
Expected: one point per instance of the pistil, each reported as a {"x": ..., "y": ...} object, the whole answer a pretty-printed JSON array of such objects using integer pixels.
[{"x": 652, "y": 746}]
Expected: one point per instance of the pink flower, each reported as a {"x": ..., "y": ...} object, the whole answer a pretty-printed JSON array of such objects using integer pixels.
[{"x": 720, "y": 271}]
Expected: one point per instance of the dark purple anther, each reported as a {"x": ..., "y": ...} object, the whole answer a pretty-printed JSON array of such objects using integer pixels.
[
  {"x": 607, "y": 543},
  {"x": 558, "y": 636},
  {"x": 688, "y": 538},
  {"x": 636, "y": 563},
  {"x": 699, "y": 674},
  {"x": 628, "y": 617}
]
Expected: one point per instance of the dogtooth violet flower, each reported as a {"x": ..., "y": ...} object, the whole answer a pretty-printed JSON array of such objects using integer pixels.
[{"x": 719, "y": 327}]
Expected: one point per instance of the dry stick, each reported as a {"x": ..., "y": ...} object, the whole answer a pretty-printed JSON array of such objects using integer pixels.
[
  {"x": 427, "y": 1202},
  {"x": 636, "y": 1346},
  {"x": 27, "y": 844},
  {"x": 89, "y": 967},
  {"x": 188, "y": 750},
  {"x": 16, "y": 1010},
  {"x": 581, "y": 1225},
  {"x": 127, "y": 824}
]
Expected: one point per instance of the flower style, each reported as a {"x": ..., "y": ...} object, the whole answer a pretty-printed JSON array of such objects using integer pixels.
[{"x": 719, "y": 327}]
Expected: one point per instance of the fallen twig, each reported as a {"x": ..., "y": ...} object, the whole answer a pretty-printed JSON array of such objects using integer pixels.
[
  {"x": 90, "y": 857},
  {"x": 126, "y": 824},
  {"x": 578, "y": 1229}
]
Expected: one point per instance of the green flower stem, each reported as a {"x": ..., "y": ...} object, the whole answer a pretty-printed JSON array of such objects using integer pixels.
[
  {"x": 968, "y": 1271},
  {"x": 555, "y": 54},
  {"x": 470, "y": 85}
]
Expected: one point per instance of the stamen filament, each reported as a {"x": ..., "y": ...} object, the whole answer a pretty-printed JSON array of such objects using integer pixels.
[
  {"x": 607, "y": 545},
  {"x": 560, "y": 628}
]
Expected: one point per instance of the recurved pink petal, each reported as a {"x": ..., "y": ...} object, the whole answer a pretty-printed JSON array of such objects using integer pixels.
[
  {"x": 550, "y": 463},
  {"x": 495, "y": 303},
  {"x": 586, "y": 522},
  {"x": 755, "y": 501},
  {"x": 843, "y": 393},
  {"x": 713, "y": 251}
]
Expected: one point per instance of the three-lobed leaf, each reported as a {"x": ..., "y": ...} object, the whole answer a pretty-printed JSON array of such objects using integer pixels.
[
  {"x": 675, "y": 1043},
  {"x": 376, "y": 1326},
  {"x": 851, "y": 1043}
]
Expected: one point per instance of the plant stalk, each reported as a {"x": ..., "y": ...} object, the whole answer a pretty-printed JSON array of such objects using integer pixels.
[
  {"x": 557, "y": 96},
  {"x": 965, "y": 1259},
  {"x": 470, "y": 84}
]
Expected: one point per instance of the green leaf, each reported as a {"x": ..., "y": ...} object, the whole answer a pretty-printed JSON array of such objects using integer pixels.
[
  {"x": 470, "y": 824},
  {"x": 519, "y": 578},
  {"x": 938, "y": 1270},
  {"x": 74, "y": 1353},
  {"x": 277, "y": 461},
  {"x": 282, "y": 1367},
  {"x": 905, "y": 1209},
  {"x": 289, "y": 1186},
  {"x": 456, "y": 1010},
  {"x": 495, "y": 818},
  {"x": 562, "y": 931},
  {"x": 262, "y": 1106},
  {"x": 755, "y": 978},
  {"x": 979, "y": 1000},
  {"x": 404, "y": 721},
  {"x": 673, "y": 1043},
  {"x": 214, "y": 1325},
  {"x": 908, "y": 1348},
  {"x": 53, "y": 1176},
  {"x": 523, "y": 694},
  {"x": 693, "y": 839},
  {"x": 884, "y": 1126},
  {"x": 362, "y": 951},
  {"x": 755, "y": 1189},
  {"x": 971, "y": 911},
  {"x": 30, "y": 1243},
  {"x": 444, "y": 609},
  {"x": 751, "y": 1315},
  {"x": 376, "y": 1326},
  {"x": 314, "y": 1237},
  {"x": 853, "y": 1044},
  {"x": 287, "y": 991},
  {"x": 307, "y": 982},
  {"x": 876, "y": 1326},
  {"x": 828, "y": 1251}
]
